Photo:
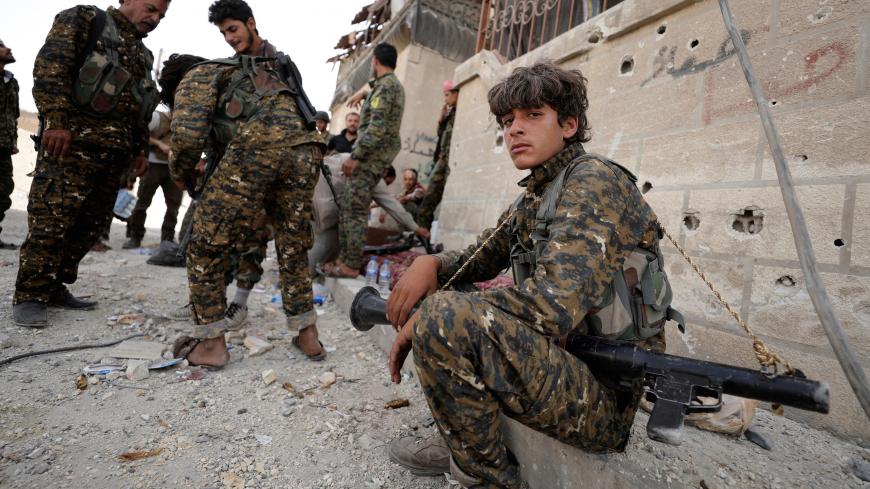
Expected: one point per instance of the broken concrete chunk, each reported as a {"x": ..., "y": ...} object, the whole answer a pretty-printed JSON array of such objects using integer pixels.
[
  {"x": 327, "y": 379},
  {"x": 257, "y": 346},
  {"x": 269, "y": 376},
  {"x": 137, "y": 370},
  {"x": 139, "y": 350}
]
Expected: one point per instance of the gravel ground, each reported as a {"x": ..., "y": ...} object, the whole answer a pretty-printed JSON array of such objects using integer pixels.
[{"x": 230, "y": 429}]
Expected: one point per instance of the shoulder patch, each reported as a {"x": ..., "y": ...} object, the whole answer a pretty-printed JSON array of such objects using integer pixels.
[{"x": 376, "y": 103}]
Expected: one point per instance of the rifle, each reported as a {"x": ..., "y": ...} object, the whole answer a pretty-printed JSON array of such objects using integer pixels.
[
  {"x": 288, "y": 70},
  {"x": 211, "y": 161},
  {"x": 670, "y": 381}
]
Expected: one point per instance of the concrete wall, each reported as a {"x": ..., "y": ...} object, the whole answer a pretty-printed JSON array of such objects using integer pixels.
[
  {"x": 681, "y": 117},
  {"x": 421, "y": 71}
]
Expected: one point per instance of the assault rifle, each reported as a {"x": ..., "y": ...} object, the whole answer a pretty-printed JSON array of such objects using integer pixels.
[
  {"x": 195, "y": 192},
  {"x": 669, "y": 381}
]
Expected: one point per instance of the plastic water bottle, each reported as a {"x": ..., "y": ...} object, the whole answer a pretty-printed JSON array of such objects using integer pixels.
[
  {"x": 384, "y": 279},
  {"x": 372, "y": 272}
]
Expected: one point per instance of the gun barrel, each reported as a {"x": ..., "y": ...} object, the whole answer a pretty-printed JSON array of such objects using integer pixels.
[{"x": 608, "y": 356}]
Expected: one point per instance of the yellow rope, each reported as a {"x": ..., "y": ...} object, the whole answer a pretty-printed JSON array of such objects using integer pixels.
[
  {"x": 479, "y": 249},
  {"x": 766, "y": 357}
]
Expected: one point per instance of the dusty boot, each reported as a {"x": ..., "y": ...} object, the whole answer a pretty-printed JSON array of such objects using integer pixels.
[
  {"x": 132, "y": 244},
  {"x": 422, "y": 456},
  {"x": 65, "y": 300},
  {"x": 182, "y": 313},
  {"x": 235, "y": 316},
  {"x": 30, "y": 314}
]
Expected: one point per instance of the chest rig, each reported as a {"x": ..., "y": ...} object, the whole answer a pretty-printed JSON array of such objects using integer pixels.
[
  {"x": 248, "y": 85},
  {"x": 637, "y": 303},
  {"x": 102, "y": 78}
]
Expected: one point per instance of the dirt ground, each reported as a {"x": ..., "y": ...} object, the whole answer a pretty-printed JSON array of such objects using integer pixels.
[{"x": 229, "y": 429}]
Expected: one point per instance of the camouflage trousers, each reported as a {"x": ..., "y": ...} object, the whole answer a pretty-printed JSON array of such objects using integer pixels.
[
  {"x": 249, "y": 180},
  {"x": 434, "y": 193},
  {"x": 475, "y": 361},
  {"x": 7, "y": 183},
  {"x": 157, "y": 176},
  {"x": 70, "y": 205},
  {"x": 353, "y": 213}
]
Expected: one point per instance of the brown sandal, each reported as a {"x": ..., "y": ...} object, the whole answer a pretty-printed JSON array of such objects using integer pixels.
[
  {"x": 186, "y": 344},
  {"x": 314, "y": 358}
]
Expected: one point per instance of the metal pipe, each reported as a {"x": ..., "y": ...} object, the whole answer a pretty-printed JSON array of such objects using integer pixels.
[{"x": 815, "y": 287}]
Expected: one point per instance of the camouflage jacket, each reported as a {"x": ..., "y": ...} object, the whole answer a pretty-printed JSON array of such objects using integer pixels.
[
  {"x": 8, "y": 111},
  {"x": 445, "y": 134},
  {"x": 56, "y": 69},
  {"x": 276, "y": 121},
  {"x": 380, "y": 118},
  {"x": 600, "y": 219}
]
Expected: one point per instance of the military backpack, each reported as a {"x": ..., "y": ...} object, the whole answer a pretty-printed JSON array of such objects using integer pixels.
[{"x": 637, "y": 302}]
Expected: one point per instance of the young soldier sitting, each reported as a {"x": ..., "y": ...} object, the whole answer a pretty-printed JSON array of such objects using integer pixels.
[{"x": 479, "y": 354}]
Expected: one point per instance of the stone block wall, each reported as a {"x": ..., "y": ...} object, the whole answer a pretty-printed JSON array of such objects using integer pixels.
[{"x": 668, "y": 100}]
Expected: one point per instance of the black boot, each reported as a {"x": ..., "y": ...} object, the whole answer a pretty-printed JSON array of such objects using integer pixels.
[
  {"x": 64, "y": 299},
  {"x": 132, "y": 244},
  {"x": 30, "y": 314}
]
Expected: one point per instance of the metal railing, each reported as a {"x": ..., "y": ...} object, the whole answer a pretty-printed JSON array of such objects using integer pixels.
[{"x": 512, "y": 28}]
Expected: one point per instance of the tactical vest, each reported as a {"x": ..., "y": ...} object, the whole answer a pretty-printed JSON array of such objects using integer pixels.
[
  {"x": 102, "y": 78},
  {"x": 637, "y": 302},
  {"x": 248, "y": 85}
]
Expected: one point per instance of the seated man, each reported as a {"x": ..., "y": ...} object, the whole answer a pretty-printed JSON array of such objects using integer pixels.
[
  {"x": 412, "y": 192},
  {"x": 495, "y": 351}
]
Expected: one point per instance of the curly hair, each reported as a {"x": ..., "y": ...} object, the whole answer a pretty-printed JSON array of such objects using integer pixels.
[
  {"x": 544, "y": 84},
  {"x": 229, "y": 9},
  {"x": 173, "y": 71}
]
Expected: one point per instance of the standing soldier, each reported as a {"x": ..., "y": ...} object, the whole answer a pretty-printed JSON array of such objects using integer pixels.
[
  {"x": 376, "y": 146},
  {"x": 321, "y": 122},
  {"x": 8, "y": 133},
  {"x": 441, "y": 157},
  {"x": 95, "y": 123},
  {"x": 254, "y": 113}
]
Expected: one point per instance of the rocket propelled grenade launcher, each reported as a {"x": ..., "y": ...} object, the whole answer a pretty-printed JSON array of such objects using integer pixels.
[{"x": 669, "y": 381}]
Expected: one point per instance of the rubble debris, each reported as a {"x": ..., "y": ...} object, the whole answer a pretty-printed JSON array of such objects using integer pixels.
[
  {"x": 327, "y": 379},
  {"x": 81, "y": 382},
  {"x": 397, "y": 404},
  {"x": 753, "y": 435},
  {"x": 263, "y": 439},
  {"x": 5, "y": 341},
  {"x": 139, "y": 350},
  {"x": 139, "y": 455},
  {"x": 269, "y": 376},
  {"x": 137, "y": 370},
  {"x": 257, "y": 346}
]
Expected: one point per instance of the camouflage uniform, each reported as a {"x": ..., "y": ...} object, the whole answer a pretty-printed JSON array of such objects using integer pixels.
[
  {"x": 492, "y": 351},
  {"x": 8, "y": 137},
  {"x": 270, "y": 164},
  {"x": 376, "y": 145},
  {"x": 71, "y": 197},
  {"x": 440, "y": 173}
]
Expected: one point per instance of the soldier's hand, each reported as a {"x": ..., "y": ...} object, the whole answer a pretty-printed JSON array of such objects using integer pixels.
[
  {"x": 56, "y": 142},
  {"x": 419, "y": 281},
  {"x": 140, "y": 165},
  {"x": 348, "y": 166},
  {"x": 401, "y": 347},
  {"x": 423, "y": 233}
]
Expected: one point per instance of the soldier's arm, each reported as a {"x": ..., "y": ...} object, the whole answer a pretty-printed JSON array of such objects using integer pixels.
[
  {"x": 447, "y": 135},
  {"x": 372, "y": 140},
  {"x": 492, "y": 259},
  {"x": 54, "y": 70},
  {"x": 591, "y": 234},
  {"x": 381, "y": 195},
  {"x": 195, "y": 102},
  {"x": 16, "y": 112}
]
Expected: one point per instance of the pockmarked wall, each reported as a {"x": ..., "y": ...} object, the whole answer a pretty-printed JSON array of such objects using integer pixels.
[{"x": 669, "y": 101}]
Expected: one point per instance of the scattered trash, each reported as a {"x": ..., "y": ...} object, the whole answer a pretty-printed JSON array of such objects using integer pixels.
[
  {"x": 165, "y": 363},
  {"x": 102, "y": 369},
  {"x": 137, "y": 370},
  {"x": 753, "y": 435},
  {"x": 289, "y": 388},
  {"x": 81, "y": 382},
  {"x": 126, "y": 319},
  {"x": 329, "y": 349},
  {"x": 196, "y": 374},
  {"x": 257, "y": 346},
  {"x": 397, "y": 403},
  {"x": 263, "y": 439},
  {"x": 269, "y": 376},
  {"x": 327, "y": 379},
  {"x": 139, "y": 350},
  {"x": 139, "y": 455}
]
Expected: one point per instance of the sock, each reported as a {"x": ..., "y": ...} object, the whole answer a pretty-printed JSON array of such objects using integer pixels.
[{"x": 241, "y": 297}]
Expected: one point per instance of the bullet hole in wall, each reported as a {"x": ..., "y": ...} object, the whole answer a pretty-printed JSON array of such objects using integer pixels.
[
  {"x": 773, "y": 103},
  {"x": 694, "y": 43},
  {"x": 499, "y": 140},
  {"x": 800, "y": 157},
  {"x": 750, "y": 220},
  {"x": 627, "y": 65},
  {"x": 646, "y": 187},
  {"x": 661, "y": 30},
  {"x": 839, "y": 242},
  {"x": 786, "y": 281},
  {"x": 594, "y": 38},
  {"x": 691, "y": 220}
]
